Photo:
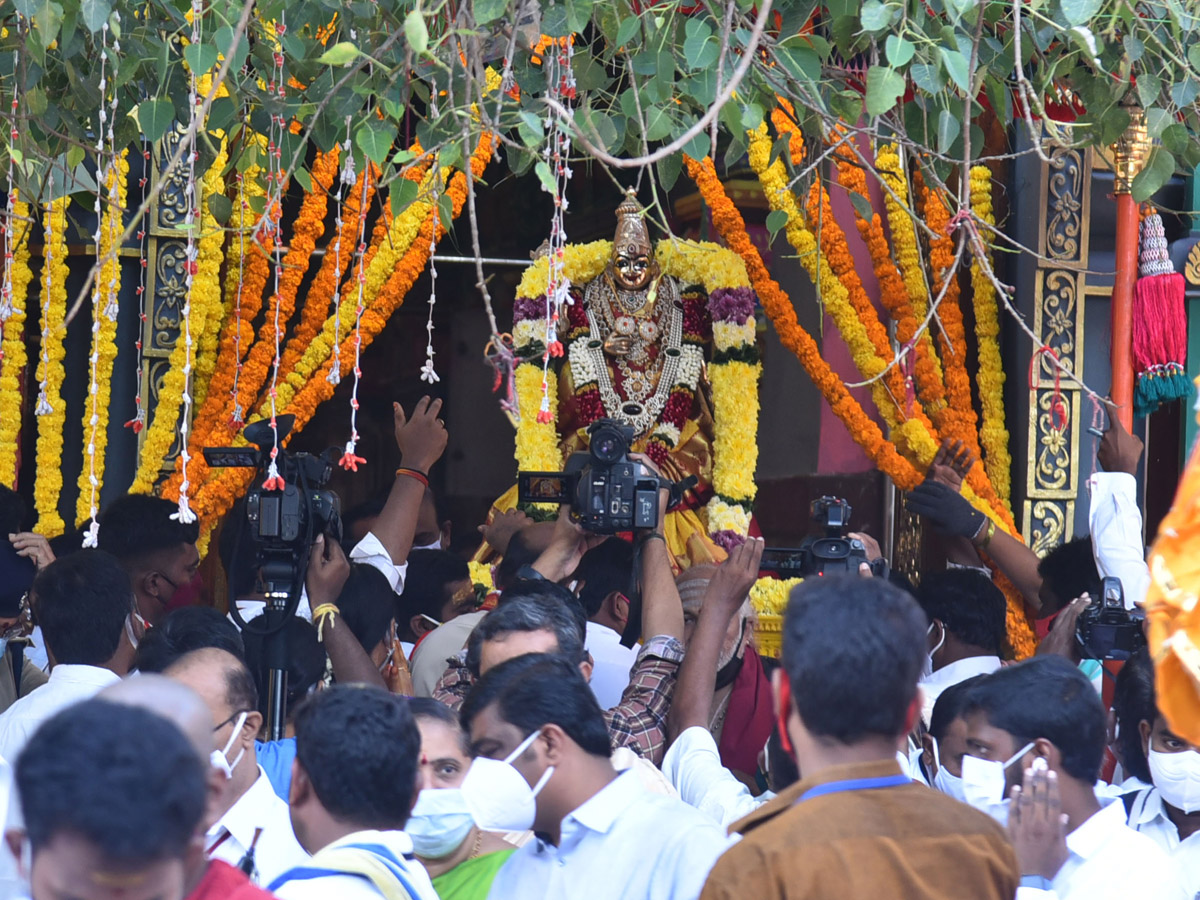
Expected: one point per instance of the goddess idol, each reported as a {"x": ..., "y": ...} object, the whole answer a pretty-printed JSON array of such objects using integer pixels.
[{"x": 639, "y": 327}]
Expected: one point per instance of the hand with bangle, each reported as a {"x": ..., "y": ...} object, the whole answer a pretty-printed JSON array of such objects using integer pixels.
[
  {"x": 421, "y": 438},
  {"x": 951, "y": 513}
]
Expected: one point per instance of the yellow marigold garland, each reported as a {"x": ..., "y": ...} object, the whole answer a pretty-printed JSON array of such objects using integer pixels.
[
  {"x": 11, "y": 396},
  {"x": 47, "y": 485},
  {"x": 908, "y": 258},
  {"x": 993, "y": 432},
  {"x": 769, "y": 596},
  {"x": 205, "y": 301},
  {"x": 104, "y": 345}
]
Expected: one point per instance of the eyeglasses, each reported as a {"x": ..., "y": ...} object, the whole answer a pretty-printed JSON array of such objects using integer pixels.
[{"x": 229, "y": 720}]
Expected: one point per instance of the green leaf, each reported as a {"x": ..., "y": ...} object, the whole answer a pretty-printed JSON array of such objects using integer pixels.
[
  {"x": 1175, "y": 138},
  {"x": 862, "y": 206},
  {"x": 1184, "y": 93},
  {"x": 1079, "y": 12},
  {"x": 700, "y": 51},
  {"x": 776, "y": 221},
  {"x": 1157, "y": 120},
  {"x": 927, "y": 77},
  {"x": 884, "y": 88},
  {"x": 487, "y": 11},
  {"x": 74, "y": 157},
  {"x": 155, "y": 117},
  {"x": 554, "y": 21},
  {"x": 94, "y": 13},
  {"x": 948, "y": 130},
  {"x": 876, "y": 16},
  {"x": 668, "y": 170},
  {"x": 847, "y": 104},
  {"x": 402, "y": 195},
  {"x": 899, "y": 51},
  {"x": 47, "y": 19},
  {"x": 200, "y": 57},
  {"x": 304, "y": 178},
  {"x": 752, "y": 116},
  {"x": 629, "y": 27},
  {"x": 1194, "y": 55},
  {"x": 1157, "y": 172},
  {"x": 597, "y": 125},
  {"x": 658, "y": 123},
  {"x": 1149, "y": 87},
  {"x": 224, "y": 42},
  {"x": 445, "y": 208},
  {"x": 546, "y": 177},
  {"x": 221, "y": 208},
  {"x": 340, "y": 54},
  {"x": 1134, "y": 48},
  {"x": 374, "y": 138},
  {"x": 416, "y": 32},
  {"x": 957, "y": 67}
]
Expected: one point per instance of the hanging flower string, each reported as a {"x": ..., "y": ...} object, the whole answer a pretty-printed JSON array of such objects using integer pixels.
[
  {"x": 138, "y": 422},
  {"x": 274, "y": 481},
  {"x": 428, "y": 374},
  {"x": 560, "y": 87},
  {"x": 350, "y": 459},
  {"x": 347, "y": 177}
]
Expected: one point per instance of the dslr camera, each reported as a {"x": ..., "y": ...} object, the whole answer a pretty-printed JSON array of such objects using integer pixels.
[
  {"x": 1107, "y": 630},
  {"x": 828, "y": 554},
  {"x": 283, "y": 523},
  {"x": 607, "y": 491}
]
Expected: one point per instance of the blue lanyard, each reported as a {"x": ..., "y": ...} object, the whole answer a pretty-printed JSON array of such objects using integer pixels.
[{"x": 854, "y": 784}]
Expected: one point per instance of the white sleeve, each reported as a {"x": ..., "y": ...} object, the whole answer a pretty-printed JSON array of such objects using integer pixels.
[
  {"x": 693, "y": 766},
  {"x": 372, "y": 553},
  {"x": 1115, "y": 523},
  {"x": 1029, "y": 893}
]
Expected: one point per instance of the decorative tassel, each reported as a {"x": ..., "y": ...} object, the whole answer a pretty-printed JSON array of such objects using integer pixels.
[{"x": 1159, "y": 324}]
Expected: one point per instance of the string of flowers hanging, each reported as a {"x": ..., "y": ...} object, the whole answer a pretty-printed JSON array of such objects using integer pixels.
[
  {"x": 12, "y": 313},
  {"x": 350, "y": 459},
  {"x": 138, "y": 422},
  {"x": 278, "y": 86},
  {"x": 560, "y": 88},
  {"x": 428, "y": 373},
  {"x": 348, "y": 177},
  {"x": 104, "y": 317},
  {"x": 191, "y": 224}
]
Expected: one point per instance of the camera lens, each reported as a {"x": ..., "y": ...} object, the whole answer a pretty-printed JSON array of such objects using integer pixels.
[{"x": 606, "y": 448}]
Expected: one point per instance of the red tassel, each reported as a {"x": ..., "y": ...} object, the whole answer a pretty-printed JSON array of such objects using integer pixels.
[{"x": 1159, "y": 321}]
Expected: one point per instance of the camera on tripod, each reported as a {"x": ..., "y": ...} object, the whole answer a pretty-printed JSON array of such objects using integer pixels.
[
  {"x": 607, "y": 491},
  {"x": 1107, "y": 630},
  {"x": 829, "y": 554},
  {"x": 283, "y": 523}
]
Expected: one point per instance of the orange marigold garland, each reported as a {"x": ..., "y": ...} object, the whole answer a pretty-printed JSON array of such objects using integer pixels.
[{"x": 778, "y": 305}]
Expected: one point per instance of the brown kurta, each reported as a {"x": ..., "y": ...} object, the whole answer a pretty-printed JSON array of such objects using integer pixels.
[{"x": 906, "y": 842}]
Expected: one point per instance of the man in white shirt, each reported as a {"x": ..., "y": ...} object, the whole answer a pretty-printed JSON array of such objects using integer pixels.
[
  {"x": 253, "y": 827},
  {"x": 966, "y": 614},
  {"x": 598, "y": 834},
  {"x": 113, "y": 796},
  {"x": 1114, "y": 517},
  {"x": 602, "y": 580},
  {"x": 354, "y": 782},
  {"x": 1035, "y": 733},
  {"x": 83, "y": 602}
]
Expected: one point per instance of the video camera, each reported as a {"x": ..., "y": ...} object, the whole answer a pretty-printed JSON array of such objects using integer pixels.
[
  {"x": 283, "y": 523},
  {"x": 831, "y": 554},
  {"x": 607, "y": 491},
  {"x": 1107, "y": 630}
]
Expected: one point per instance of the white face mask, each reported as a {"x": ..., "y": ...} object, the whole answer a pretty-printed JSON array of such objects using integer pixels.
[
  {"x": 983, "y": 784},
  {"x": 498, "y": 796},
  {"x": 927, "y": 665},
  {"x": 431, "y": 620},
  {"x": 220, "y": 758},
  {"x": 439, "y": 823},
  {"x": 436, "y": 545},
  {"x": 950, "y": 785},
  {"x": 1177, "y": 777}
]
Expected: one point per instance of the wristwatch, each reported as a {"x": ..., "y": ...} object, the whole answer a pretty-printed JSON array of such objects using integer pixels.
[{"x": 1040, "y": 882}]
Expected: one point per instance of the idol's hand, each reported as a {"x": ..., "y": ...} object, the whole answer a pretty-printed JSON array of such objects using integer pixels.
[{"x": 617, "y": 345}]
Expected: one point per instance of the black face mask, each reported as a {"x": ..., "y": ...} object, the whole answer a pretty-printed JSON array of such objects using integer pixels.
[{"x": 729, "y": 672}]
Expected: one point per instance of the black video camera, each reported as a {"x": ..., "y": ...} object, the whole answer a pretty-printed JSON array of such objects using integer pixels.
[
  {"x": 607, "y": 491},
  {"x": 283, "y": 523},
  {"x": 1107, "y": 630},
  {"x": 831, "y": 554}
]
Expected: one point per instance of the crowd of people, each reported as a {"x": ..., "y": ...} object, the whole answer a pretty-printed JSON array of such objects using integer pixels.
[{"x": 431, "y": 744}]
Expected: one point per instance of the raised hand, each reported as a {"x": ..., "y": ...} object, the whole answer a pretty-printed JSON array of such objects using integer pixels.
[
  {"x": 735, "y": 576},
  {"x": 499, "y": 532},
  {"x": 328, "y": 570},
  {"x": 421, "y": 438},
  {"x": 1037, "y": 826},
  {"x": 1119, "y": 451},
  {"x": 32, "y": 546},
  {"x": 951, "y": 464},
  {"x": 947, "y": 509}
]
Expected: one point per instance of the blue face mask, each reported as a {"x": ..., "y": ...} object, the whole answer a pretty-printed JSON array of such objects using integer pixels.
[{"x": 439, "y": 823}]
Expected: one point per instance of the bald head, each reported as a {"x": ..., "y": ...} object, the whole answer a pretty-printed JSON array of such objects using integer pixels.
[
  {"x": 171, "y": 700},
  {"x": 220, "y": 679}
]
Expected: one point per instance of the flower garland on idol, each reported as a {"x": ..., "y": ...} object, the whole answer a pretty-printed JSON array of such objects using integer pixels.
[
  {"x": 17, "y": 277},
  {"x": 993, "y": 431},
  {"x": 728, "y": 319},
  {"x": 51, "y": 408}
]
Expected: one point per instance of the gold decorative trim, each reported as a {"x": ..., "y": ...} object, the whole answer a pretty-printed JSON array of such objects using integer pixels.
[{"x": 1191, "y": 268}]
